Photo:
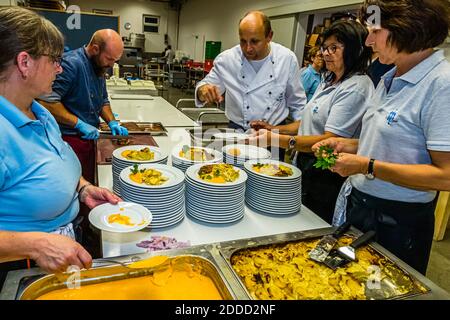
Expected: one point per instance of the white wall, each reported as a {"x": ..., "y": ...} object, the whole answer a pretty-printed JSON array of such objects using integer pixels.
[
  {"x": 7, "y": 2},
  {"x": 220, "y": 23},
  {"x": 131, "y": 11}
]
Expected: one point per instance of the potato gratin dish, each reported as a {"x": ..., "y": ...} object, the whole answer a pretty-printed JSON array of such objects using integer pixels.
[{"x": 284, "y": 271}]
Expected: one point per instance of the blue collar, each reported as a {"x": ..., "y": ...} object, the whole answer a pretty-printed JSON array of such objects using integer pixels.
[
  {"x": 418, "y": 72},
  {"x": 17, "y": 117}
]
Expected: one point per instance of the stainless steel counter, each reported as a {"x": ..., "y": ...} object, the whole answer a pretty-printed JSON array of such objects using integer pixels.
[{"x": 216, "y": 250}]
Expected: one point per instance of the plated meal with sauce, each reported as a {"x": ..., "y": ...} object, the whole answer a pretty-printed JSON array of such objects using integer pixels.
[
  {"x": 196, "y": 154},
  {"x": 144, "y": 154},
  {"x": 273, "y": 170},
  {"x": 150, "y": 177},
  {"x": 218, "y": 173}
]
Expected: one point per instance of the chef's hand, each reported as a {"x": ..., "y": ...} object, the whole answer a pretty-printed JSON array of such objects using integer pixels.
[
  {"x": 349, "y": 164},
  {"x": 88, "y": 132},
  {"x": 54, "y": 253},
  {"x": 262, "y": 138},
  {"x": 260, "y": 124},
  {"x": 209, "y": 93},
  {"x": 93, "y": 196},
  {"x": 117, "y": 129}
]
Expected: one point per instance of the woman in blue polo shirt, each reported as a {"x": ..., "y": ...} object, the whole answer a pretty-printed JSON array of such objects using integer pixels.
[
  {"x": 336, "y": 109},
  {"x": 403, "y": 154},
  {"x": 40, "y": 176}
]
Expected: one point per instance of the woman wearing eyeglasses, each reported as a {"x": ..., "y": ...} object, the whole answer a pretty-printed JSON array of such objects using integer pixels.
[
  {"x": 40, "y": 175},
  {"x": 403, "y": 153},
  {"x": 335, "y": 110}
]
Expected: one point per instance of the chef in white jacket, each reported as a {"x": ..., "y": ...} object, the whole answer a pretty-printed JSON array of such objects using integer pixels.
[{"x": 260, "y": 78}]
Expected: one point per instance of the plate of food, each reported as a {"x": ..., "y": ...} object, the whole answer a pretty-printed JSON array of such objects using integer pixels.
[
  {"x": 152, "y": 176},
  {"x": 217, "y": 174},
  {"x": 139, "y": 153},
  {"x": 122, "y": 217},
  {"x": 196, "y": 154},
  {"x": 272, "y": 169}
]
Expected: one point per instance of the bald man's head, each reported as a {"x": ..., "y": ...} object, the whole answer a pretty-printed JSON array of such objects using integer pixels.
[
  {"x": 104, "y": 49},
  {"x": 259, "y": 18},
  {"x": 255, "y": 34}
]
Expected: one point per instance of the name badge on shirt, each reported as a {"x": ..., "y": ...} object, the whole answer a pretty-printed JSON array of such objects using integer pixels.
[{"x": 392, "y": 117}]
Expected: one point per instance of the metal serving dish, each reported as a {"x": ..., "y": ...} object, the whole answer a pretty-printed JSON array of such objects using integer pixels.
[
  {"x": 153, "y": 128},
  {"x": 203, "y": 263},
  {"x": 390, "y": 283}
]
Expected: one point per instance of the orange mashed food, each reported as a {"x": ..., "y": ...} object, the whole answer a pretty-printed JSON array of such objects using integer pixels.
[{"x": 167, "y": 285}]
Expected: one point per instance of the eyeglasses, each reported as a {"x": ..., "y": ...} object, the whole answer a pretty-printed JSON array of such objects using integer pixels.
[
  {"x": 331, "y": 49},
  {"x": 56, "y": 60}
]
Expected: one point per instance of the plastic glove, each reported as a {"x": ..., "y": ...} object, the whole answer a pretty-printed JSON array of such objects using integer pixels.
[
  {"x": 117, "y": 129},
  {"x": 88, "y": 132}
]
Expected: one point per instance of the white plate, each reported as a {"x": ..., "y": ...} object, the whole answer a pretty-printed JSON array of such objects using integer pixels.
[
  {"x": 98, "y": 217},
  {"x": 230, "y": 136},
  {"x": 192, "y": 172},
  {"x": 247, "y": 151},
  {"x": 217, "y": 156},
  {"x": 175, "y": 176},
  {"x": 159, "y": 154},
  {"x": 296, "y": 173}
]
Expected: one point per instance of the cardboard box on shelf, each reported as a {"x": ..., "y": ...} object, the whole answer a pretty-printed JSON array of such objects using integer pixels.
[{"x": 313, "y": 39}]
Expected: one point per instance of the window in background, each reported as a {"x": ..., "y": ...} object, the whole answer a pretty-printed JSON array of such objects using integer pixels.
[{"x": 150, "y": 23}]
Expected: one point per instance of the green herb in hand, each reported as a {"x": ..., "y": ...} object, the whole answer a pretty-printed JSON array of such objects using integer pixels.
[{"x": 326, "y": 158}]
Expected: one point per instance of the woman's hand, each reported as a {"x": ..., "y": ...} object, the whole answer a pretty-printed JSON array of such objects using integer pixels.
[
  {"x": 349, "y": 164},
  {"x": 338, "y": 145},
  {"x": 93, "y": 196},
  {"x": 260, "y": 124},
  {"x": 54, "y": 253},
  {"x": 262, "y": 138}
]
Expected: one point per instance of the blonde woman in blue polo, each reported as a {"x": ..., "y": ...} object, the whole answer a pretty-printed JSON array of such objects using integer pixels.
[
  {"x": 403, "y": 154},
  {"x": 40, "y": 175}
]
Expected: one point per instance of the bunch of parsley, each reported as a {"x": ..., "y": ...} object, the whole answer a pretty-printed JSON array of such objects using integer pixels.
[{"x": 325, "y": 158}]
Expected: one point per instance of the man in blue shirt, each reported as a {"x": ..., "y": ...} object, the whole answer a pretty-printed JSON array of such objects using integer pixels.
[{"x": 79, "y": 96}]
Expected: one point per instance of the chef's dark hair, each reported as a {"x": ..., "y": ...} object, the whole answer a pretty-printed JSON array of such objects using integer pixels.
[
  {"x": 352, "y": 35},
  {"x": 265, "y": 21}
]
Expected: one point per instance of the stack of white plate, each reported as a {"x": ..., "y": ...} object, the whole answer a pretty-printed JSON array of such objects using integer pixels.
[
  {"x": 271, "y": 194},
  {"x": 237, "y": 154},
  {"x": 119, "y": 162},
  {"x": 166, "y": 201},
  {"x": 213, "y": 202},
  {"x": 183, "y": 163}
]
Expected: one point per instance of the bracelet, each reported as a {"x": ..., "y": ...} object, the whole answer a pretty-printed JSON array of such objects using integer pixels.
[{"x": 82, "y": 189}]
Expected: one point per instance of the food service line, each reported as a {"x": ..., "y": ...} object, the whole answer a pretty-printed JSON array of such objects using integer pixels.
[{"x": 252, "y": 225}]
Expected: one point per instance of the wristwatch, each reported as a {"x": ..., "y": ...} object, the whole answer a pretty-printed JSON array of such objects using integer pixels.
[
  {"x": 292, "y": 142},
  {"x": 369, "y": 174}
]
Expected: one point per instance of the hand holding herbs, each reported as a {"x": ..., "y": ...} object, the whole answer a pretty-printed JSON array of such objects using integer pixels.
[{"x": 326, "y": 158}]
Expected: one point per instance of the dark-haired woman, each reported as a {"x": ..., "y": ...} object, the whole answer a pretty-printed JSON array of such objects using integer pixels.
[
  {"x": 403, "y": 154},
  {"x": 335, "y": 110}
]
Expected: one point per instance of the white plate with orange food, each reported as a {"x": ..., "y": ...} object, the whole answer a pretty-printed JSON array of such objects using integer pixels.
[
  {"x": 139, "y": 154},
  {"x": 153, "y": 176},
  {"x": 216, "y": 175},
  {"x": 122, "y": 217}
]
